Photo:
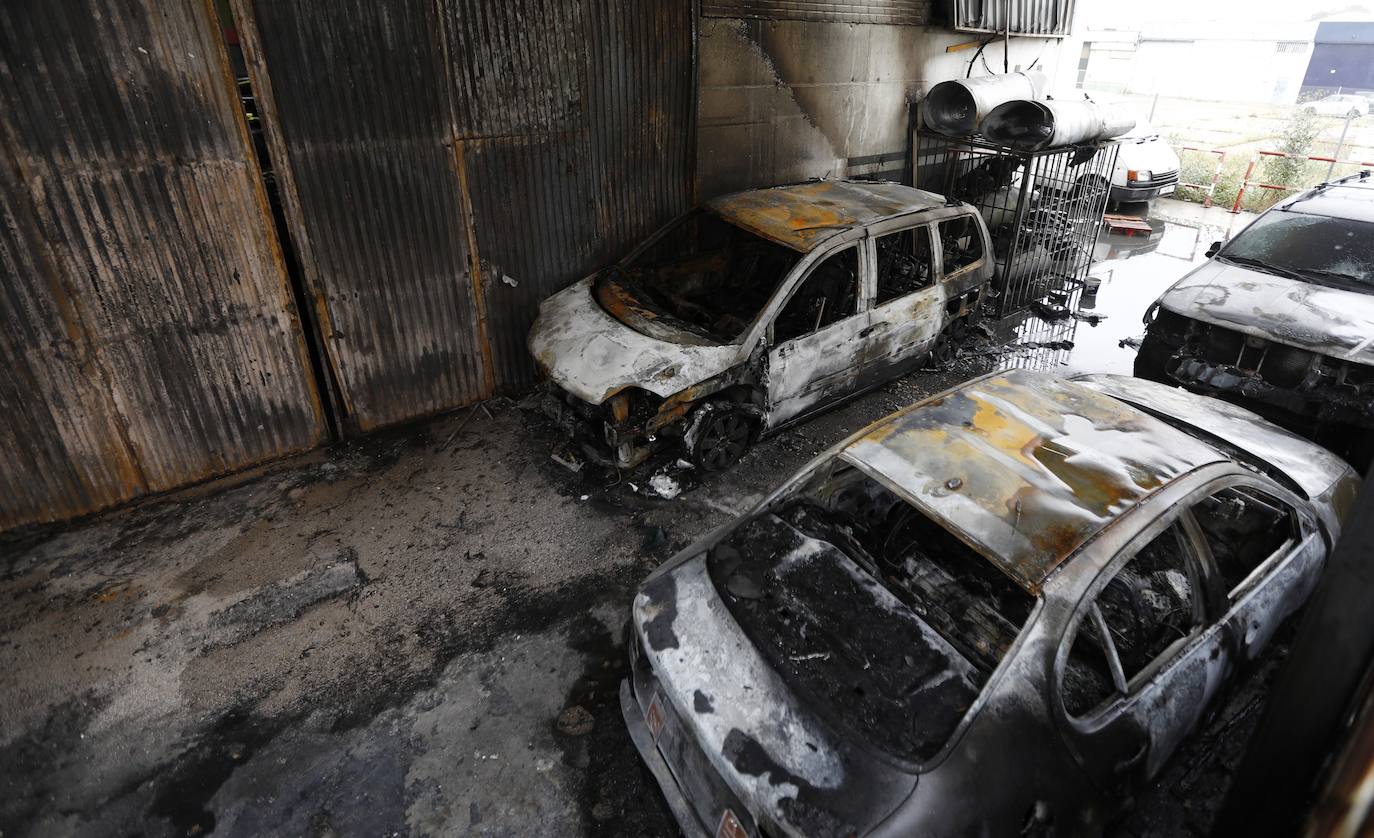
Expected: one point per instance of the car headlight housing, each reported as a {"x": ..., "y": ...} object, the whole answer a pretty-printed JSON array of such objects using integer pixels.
[{"x": 1139, "y": 174}]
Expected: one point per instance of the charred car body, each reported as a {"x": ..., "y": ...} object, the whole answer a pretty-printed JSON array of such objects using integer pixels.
[
  {"x": 1282, "y": 319},
  {"x": 756, "y": 310},
  {"x": 998, "y": 610}
]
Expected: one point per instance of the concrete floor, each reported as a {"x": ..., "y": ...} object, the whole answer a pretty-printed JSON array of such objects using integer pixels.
[{"x": 416, "y": 633}]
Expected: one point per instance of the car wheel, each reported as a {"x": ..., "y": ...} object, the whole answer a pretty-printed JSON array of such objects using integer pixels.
[
  {"x": 720, "y": 437},
  {"x": 1353, "y": 113}
]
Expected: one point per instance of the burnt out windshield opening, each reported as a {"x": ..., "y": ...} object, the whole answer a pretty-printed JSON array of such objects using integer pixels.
[
  {"x": 1337, "y": 252},
  {"x": 878, "y": 617},
  {"x": 704, "y": 276}
]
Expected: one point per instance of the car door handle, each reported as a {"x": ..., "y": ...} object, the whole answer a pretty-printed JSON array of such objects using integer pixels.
[{"x": 867, "y": 330}]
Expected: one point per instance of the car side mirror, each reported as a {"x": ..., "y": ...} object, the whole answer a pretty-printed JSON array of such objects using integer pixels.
[{"x": 1212, "y": 251}]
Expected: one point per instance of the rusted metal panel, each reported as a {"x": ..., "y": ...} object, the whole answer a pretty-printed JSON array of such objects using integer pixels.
[
  {"x": 1025, "y": 17},
  {"x": 149, "y": 338},
  {"x": 452, "y": 163},
  {"x": 358, "y": 112},
  {"x": 904, "y": 12},
  {"x": 579, "y": 185}
]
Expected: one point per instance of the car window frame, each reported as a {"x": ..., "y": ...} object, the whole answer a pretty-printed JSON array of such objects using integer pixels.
[
  {"x": 938, "y": 250},
  {"x": 936, "y": 276},
  {"x": 802, "y": 273},
  {"x": 1304, "y": 520},
  {"x": 1200, "y": 575}
]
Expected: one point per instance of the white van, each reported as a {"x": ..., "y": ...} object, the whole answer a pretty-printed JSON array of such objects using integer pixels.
[{"x": 1146, "y": 167}]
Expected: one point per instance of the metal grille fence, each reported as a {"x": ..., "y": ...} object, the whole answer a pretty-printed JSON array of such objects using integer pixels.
[{"x": 1043, "y": 208}]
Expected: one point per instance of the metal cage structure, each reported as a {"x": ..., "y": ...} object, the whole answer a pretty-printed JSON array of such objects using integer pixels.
[{"x": 1044, "y": 209}]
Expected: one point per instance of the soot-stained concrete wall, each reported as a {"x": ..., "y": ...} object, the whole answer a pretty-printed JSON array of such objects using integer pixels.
[{"x": 786, "y": 100}]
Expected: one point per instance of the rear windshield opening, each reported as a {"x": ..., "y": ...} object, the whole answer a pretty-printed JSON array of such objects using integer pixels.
[
  {"x": 971, "y": 604},
  {"x": 705, "y": 275},
  {"x": 886, "y": 624}
]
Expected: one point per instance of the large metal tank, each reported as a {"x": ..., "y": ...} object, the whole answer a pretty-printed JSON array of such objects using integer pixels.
[
  {"x": 1029, "y": 125},
  {"x": 957, "y": 108}
]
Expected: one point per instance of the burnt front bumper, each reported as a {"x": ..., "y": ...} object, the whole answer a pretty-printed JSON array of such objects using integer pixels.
[
  {"x": 591, "y": 428},
  {"x": 1319, "y": 405},
  {"x": 1292, "y": 386}
]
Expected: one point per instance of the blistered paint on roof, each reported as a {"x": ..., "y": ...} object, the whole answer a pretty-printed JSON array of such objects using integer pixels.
[
  {"x": 1025, "y": 468},
  {"x": 803, "y": 215}
]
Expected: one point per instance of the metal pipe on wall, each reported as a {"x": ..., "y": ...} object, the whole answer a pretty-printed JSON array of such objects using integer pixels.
[
  {"x": 958, "y": 107},
  {"x": 1030, "y": 125}
]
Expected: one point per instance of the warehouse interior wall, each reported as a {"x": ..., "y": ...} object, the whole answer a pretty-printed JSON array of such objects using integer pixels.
[{"x": 787, "y": 100}]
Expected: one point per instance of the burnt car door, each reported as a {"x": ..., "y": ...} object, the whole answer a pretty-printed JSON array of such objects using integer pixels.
[
  {"x": 963, "y": 253},
  {"x": 1141, "y": 658},
  {"x": 1266, "y": 552},
  {"x": 908, "y": 303},
  {"x": 816, "y": 337}
]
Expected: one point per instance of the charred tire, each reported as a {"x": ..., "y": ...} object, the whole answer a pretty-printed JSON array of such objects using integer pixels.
[{"x": 721, "y": 437}]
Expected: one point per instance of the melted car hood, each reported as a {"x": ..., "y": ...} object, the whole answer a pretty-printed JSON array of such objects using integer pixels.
[
  {"x": 593, "y": 356},
  {"x": 1331, "y": 321}
]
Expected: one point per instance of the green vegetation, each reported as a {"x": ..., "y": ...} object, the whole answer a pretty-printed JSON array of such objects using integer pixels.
[{"x": 1298, "y": 137}]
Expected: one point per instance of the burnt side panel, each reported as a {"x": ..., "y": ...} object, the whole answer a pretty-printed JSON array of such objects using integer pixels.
[{"x": 147, "y": 336}]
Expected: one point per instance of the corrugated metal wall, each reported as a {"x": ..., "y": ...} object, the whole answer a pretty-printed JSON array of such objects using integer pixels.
[
  {"x": 1026, "y": 17},
  {"x": 147, "y": 338},
  {"x": 427, "y": 143},
  {"x": 901, "y": 12}
]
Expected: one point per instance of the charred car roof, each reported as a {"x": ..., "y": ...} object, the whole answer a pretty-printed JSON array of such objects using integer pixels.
[
  {"x": 1025, "y": 468},
  {"x": 804, "y": 215}
]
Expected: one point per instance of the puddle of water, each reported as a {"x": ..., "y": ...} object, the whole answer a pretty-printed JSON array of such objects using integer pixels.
[{"x": 1133, "y": 271}]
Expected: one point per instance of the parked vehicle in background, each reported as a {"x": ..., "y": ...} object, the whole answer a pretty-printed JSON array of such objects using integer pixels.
[
  {"x": 1281, "y": 319},
  {"x": 995, "y": 612},
  {"x": 1146, "y": 166},
  {"x": 756, "y": 310},
  {"x": 1339, "y": 104}
]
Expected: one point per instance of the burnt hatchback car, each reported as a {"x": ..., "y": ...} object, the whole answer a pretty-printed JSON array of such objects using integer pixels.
[
  {"x": 1281, "y": 319},
  {"x": 755, "y": 310},
  {"x": 998, "y": 610}
]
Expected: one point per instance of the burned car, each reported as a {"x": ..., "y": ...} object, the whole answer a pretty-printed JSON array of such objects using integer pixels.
[
  {"x": 999, "y": 610},
  {"x": 1281, "y": 319},
  {"x": 756, "y": 310}
]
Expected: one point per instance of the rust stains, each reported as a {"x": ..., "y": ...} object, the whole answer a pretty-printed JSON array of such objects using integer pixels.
[
  {"x": 1026, "y": 468},
  {"x": 804, "y": 215}
]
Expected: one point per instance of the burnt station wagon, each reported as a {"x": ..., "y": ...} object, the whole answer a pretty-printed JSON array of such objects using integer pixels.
[
  {"x": 755, "y": 310},
  {"x": 995, "y": 612}
]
